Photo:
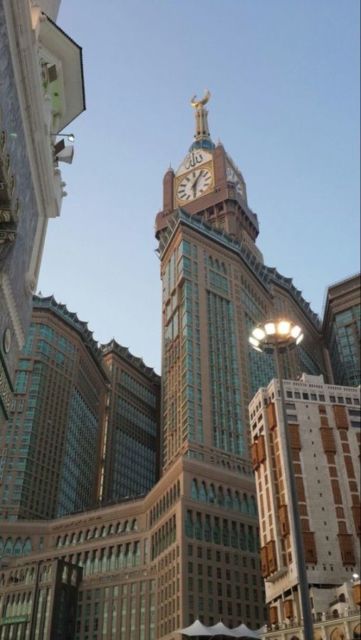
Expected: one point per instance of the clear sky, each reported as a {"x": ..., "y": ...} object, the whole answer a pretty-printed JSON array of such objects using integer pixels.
[{"x": 285, "y": 81}]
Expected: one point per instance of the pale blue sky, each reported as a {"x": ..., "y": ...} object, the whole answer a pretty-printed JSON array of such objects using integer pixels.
[{"x": 284, "y": 77}]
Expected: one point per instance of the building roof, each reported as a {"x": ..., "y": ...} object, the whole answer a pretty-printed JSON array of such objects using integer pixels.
[
  {"x": 71, "y": 319},
  {"x": 123, "y": 352}
]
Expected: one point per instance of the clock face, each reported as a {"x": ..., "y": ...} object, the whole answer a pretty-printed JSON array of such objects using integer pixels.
[{"x": 194, "y": 184}]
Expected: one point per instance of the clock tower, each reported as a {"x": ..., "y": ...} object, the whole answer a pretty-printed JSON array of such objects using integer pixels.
[
  {"x": 215, "y": 289},
  {"x": 209, "y": 184}
]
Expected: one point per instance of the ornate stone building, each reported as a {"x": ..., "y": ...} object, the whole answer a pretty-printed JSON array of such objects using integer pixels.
[{"x": 41, "y": 92}]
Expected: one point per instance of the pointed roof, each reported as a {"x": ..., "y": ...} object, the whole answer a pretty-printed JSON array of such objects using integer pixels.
[
  {"x": 242, "y": 631},
  {"x": 196, "y": 629},
  {"x": 220, "y": 629}
]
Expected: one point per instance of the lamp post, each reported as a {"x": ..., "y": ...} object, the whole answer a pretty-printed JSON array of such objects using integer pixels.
[{"x": 278, "y": 337}]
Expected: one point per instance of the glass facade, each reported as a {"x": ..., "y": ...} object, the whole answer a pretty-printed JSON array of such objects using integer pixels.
[
  {"x": 81, "y": 457},
  {"x": 344, "y": 346},
  {"x": 51, "y": 443},
  {"x": 227, "y": 429},
  {"x": 131, "y": 464}
]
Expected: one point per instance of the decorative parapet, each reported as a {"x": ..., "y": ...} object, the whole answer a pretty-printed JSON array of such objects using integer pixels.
[
  {"x": 70, "y": 318},
  {"x": 265, "y": 275},
  {"x": 123, "y": 352},
  {"x": 9, "y": 205}
]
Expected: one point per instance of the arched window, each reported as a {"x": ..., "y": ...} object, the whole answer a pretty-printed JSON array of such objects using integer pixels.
[
  {"x": 238, "y": 501},
  {"x": 212, "y": 494},
  {"x": 203, "y": 492},
  {"x": 220, "y": 497},
  {"x": 1, "y": 546},
  {"x": 194, "y": 489},
  {"x": 229, "y": 499},
  {"x": 27, "y": 548},
  {"x": 8, "y": 549},
  {"x": 134, "y": 525},
  {"x": 18, "y": 547}
]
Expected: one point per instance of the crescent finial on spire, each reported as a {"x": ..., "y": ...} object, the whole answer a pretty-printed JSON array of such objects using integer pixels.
[{"x": 198, "y": 104}]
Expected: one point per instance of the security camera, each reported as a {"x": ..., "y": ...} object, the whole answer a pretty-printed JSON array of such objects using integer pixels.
[{"x": 66, "y": 154}]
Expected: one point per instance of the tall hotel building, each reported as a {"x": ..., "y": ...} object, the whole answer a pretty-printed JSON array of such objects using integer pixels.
[
  {"x": 50, "y": 447},
  {"x": 189, "y": 548},
  {"x": 342, "y": 330},
  {"x": 130, "y": 444},
  {"x": 41, "y": 92},
  {"x": 323, "y": 423}
]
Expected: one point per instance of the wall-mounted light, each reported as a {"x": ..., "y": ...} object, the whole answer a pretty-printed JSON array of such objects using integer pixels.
[
  {"x": 69, "y": 136},
  {"x": 63, "y": 153}
]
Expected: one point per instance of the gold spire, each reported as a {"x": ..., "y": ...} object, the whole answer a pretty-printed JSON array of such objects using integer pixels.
[{"x": 202, "y": 131}]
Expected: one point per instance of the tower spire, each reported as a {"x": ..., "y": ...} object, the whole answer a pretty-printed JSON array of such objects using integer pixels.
[{"x": 202, "y": 135}]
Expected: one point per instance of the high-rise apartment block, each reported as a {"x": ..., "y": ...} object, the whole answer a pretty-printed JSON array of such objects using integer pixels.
[
  {"x": 41, "y": 92},
  {"x": 131, "y": 432},
  {"x": 323, "y": 423},
  {"x": 50, "y": 447},
  {"x": 342, "y": 330}
]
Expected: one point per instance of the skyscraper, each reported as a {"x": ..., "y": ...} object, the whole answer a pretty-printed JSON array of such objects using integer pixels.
[
  {"x": 215, "y": 289},
  {"x": 323, "y": 422},
  {"x": 50, "y": 448},
  {"x": 342, "y": 330},
  {"x": 41, "y": 92},
  {"x": 131, "y": 430}
]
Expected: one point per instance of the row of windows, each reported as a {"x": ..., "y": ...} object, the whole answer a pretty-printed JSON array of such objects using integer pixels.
[
  {"x": 165, "y": 502},
  {"x": 127, "y": 526},
  {"x": 220, "y": 531},
  {"x": 15, "y": 547},
  {"x": 138, "y": 389},
  {"x": 208, "y": 493},
  {"x": 164, "y": 537}
]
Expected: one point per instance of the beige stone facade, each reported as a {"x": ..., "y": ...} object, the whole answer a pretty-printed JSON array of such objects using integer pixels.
[
  {"x": 152, "y": 565},
  {"x": 324, "y": 430}
]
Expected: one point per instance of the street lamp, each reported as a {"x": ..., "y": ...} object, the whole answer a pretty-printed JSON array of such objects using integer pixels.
[{"x": 278, "y": 337}]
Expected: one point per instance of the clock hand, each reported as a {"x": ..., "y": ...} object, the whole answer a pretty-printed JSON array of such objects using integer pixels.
[{"x": 195, "y": 182}]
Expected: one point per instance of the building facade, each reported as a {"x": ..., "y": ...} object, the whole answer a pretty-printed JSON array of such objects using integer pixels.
[
  {"x": 342, "y": 330},
  {"x": 323, "y": 423},
  {"x": 50, "y": 447},
  {"x": 41, "y": 92},
  {"x": 131, "y": 431}
]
